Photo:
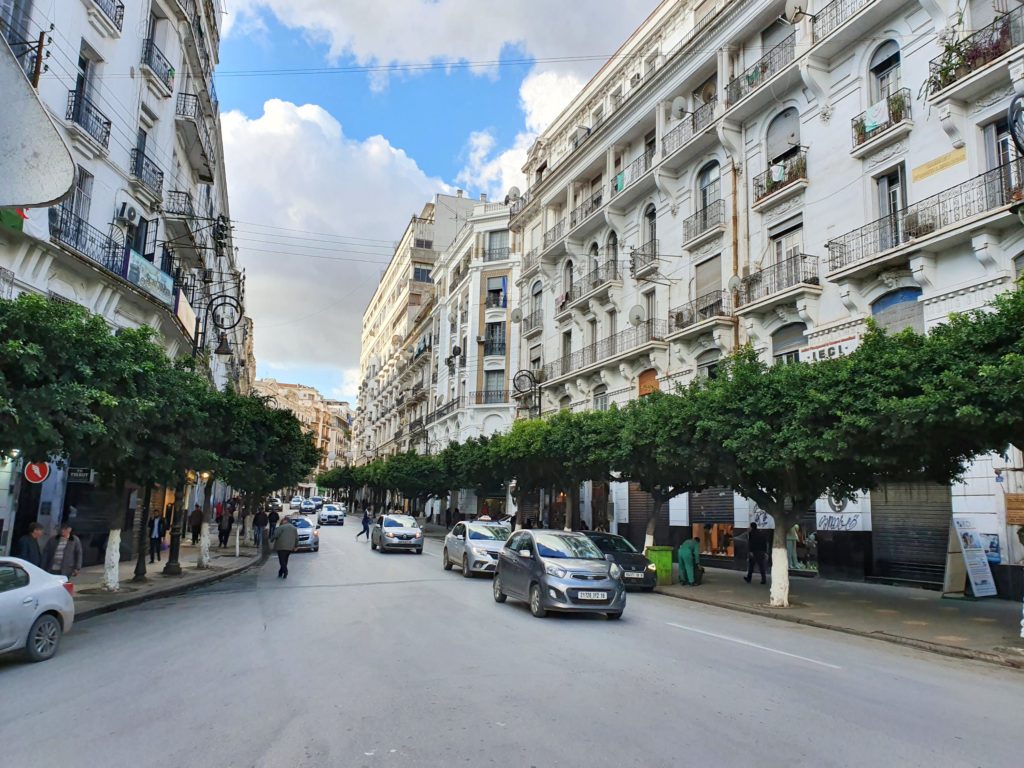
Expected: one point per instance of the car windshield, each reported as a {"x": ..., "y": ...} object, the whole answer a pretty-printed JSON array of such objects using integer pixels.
[
  {"x": 613, "y": 544},
  {"x": 330, "y": 508},
  {"x": 488, "y": 532},
  {"x": 399, "y": 522},
  {"x": 300, "y": 523},
  {"x": 562, "y": 546}
]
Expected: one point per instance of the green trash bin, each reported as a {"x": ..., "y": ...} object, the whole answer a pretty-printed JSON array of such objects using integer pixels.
[{"x": 662, "y": 559}]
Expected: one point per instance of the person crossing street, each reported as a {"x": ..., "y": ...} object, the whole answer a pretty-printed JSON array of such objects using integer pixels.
[{"x": 366, "y": 526}]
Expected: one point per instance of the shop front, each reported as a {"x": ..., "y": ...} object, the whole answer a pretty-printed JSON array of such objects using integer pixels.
[{"x": 713, "y": 523}]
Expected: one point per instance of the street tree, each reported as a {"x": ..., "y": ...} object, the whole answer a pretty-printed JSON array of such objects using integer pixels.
[{"x": 580, "y": 447}]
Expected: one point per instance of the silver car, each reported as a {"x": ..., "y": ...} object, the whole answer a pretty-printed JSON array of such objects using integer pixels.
[
  {"x": 396, "y": 532},
  {"x": 36, "y": 609},
  {"x": 474, "y": 547},
  {"x": 559, "y": 571},
  {"x": 332, "y": 514},
  {"x": 309, "y": 534}
]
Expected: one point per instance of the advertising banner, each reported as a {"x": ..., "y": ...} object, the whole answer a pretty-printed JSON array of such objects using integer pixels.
[
  {"x": 973, "y": 549},
  {"x": 150, "y": 278},
  {"x": 185, "y": 314}
]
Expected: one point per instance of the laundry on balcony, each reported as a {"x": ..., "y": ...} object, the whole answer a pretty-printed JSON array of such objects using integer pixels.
[
  {"x": 778, "y": 172},
  {"x": 876, "y": 115}
]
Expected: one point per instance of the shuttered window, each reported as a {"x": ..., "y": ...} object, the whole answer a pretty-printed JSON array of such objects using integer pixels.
[{"x": 709, "y": 276}]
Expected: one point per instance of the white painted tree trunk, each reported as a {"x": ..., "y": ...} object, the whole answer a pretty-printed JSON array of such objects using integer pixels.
[
  {"x": 238, "y": 539},
  {"x": 779, "y": 593},
  {"x": 111, "y": 562},
  {"x": 204, "y": 546}
]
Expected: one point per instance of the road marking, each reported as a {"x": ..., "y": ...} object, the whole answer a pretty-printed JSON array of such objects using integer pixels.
[{"x": 753, "y": 645}]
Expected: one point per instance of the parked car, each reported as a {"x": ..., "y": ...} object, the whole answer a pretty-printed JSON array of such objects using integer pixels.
[
  {"x": 332, "y": 514},
  {"x": 309, "y": 534},
  {"x": 559, "y": 571},
  {"x": 474, "y": 547},
  {"x": 396, "y": 532},
  {"x": 637, "y": 570},
  {"x": 36, "y": 609},
  {"x": 306, "y": 506},
  {"x": 318, "y": 501},
  {"x": 295, "y": 503}
]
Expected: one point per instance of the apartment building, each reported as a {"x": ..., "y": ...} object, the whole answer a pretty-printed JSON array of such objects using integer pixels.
[
  {"x": 395, "y": 344},
  {"x": 144, "y": 237},
  {"x": 735, "y": 176}
]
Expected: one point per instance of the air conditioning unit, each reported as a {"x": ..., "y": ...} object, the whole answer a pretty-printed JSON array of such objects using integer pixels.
[
  {"x": 480, "y": 339},
  {"x": 127, "y": 214}
]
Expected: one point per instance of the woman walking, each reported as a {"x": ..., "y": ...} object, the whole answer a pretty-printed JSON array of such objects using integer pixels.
[{"x": 366, "y": 526}]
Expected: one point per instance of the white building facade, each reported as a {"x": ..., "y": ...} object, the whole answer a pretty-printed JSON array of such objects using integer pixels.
[{"x": 734, "y": 177}]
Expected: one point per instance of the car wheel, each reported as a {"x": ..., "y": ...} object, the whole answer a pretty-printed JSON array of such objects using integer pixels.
[
  {"x": 445, "y": 561},
  {"x": 536, "y": 602},
  {"x": 419, "y": 551},
  {"x": 614, "y": 616},
  {"x": 316, "y": 548},
  {"x": 499, "y": 596},
  {"x": 43, "y": 638},
  {"x": 465, "y": 567},
  {"x": 341, "y": 523}
]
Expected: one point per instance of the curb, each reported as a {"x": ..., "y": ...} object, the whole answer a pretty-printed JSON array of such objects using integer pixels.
[
  {"x": 922, "y": 645},
  {"x": 171, "y": 591}
]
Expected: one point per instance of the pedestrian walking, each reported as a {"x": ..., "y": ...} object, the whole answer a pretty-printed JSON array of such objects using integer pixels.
[
  {"x": 157, "y": 529},
  {"x": 285, "y": 539},
  {"x": 758, "y": 550},
  {"x": 259, "y": 523},
  {"x": 272, "y": 520},
  {"x": 195, "y": 523},
  {"x": 366, "y": 526},
  {"x": 227, "y": 520},
  {"x": 689, "y": 562},
  {"x": 27, "y": 547},
  {"x": 63, "y": 553}
]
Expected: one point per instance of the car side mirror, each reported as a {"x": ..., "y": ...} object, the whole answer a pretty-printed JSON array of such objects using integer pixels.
[
  {"x": 525, "y": 553},
  {"x": 610, "y": 558}
]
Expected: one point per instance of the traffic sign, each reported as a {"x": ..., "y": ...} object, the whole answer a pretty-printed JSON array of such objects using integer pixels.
[{"x": 37, "y": 471}]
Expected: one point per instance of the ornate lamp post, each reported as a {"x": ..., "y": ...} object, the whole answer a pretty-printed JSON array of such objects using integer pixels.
[
  {"x": 525, "y": 382},
  {"x": 217, "y": 303},
  {"x": 177, "y": 528}
]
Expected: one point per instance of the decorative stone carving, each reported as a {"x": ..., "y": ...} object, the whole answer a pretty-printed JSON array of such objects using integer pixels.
[
  {"x": 891, "y": 278},
  {"x": 951, "y": 118},
  {"x": 708, "y": 248},
  {"x": 886, "y": 154},
  {"x": 922, "y": 269},
  {"x": 784, "y": 207},
  {"x": 786, "y": 313},
  {"x": 993, "y": 97},
  {"x": 986, "y": 250},
  {"x": 825, "y": 113}
]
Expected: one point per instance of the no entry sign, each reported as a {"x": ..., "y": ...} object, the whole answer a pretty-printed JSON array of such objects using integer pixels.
[{"x": 37, "y": 471}]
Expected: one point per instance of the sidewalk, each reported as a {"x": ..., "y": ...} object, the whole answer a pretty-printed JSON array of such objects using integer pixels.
[
  {"x": 91, "y": 600},
  {"x": 988, "y": 629}
]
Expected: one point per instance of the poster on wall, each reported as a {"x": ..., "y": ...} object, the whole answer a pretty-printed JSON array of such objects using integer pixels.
[{"x": 973, "y": 546}]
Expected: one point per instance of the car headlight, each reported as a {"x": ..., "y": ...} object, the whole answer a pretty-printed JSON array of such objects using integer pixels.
[
  {"x": 419, "y": 534},
  {"x": 553, "y": 570},
  {"x": 479, "y": 552},
  {"x": 390, "y": 535},
  {"x": 614, "y": 571},
  {"x": 316, "y": 533},
  {"x": 652, "y": 567}
]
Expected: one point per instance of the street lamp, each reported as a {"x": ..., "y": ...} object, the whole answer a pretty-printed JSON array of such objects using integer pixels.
[
  {"x": 525, "y": 382},
  {"x": 217, "y": 303}
]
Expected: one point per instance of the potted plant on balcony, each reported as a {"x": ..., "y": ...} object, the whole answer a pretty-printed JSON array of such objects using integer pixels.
[
  {"x": 860, "y": 132},
  {"x": 897, "y": 107}
]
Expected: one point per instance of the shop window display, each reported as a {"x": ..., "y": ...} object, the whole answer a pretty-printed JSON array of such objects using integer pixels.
[{"x": 715, "y": 538}]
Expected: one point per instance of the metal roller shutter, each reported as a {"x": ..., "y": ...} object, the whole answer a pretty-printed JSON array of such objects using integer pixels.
[
  {"x": 910, "y": 531},
  {"x": 715, "y": 505}
]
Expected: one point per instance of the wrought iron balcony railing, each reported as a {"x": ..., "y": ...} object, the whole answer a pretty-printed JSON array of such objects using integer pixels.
[
  {"x": 189, "y": 106},
  {"x": 586, "y": 283},
  {"x": 833, "y": 15},
  {"x": 84, "y": 113},
  {"x": 779, "y": 175},
  {"x": 798, "y": 269},
  {"x": 714, "y": 304},
  {"x": 449, "y": 408},
  {"x": 531, "y": 260},
  {"x": 761, "y": 71},
  {"x": 977, "y": 50},
  {"x": 532, "y": 321},
  {"x": 494, "y": 347},
  {"x": 633, "y": 171},
  {"x": 691, "y": 124},
  {"x": 495, "y": 300},
  {"x": 554, "y": 234},
  {"x": 154, "y": 58},
  {"x": 76, "y": 233},
  {"x": 644, "y": 257},
  {"x": 497, "y": 254},
  {"x": 490, "y": 397},
  {"x": 179, "y": 203},
  {"x": 876, "y": 121},
  {"x": 614, "y": 346},
  {"x": 113, "y": 10},
  {"x": 148, "y": 172},
  {"x": 587, "y": 207},
  {"x": 704, "y": 220},
  {"x": 991, "y": 190}
]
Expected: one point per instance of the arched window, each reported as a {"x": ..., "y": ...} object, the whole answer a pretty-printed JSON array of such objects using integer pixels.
[
  {"x": 650, "y": 233},
  {"x": 784, "y": 135},
  {"x": 601, "y": 397},
  {"x": 885, "y": 70},
  {"x": 595, "y": 257},
  {"x": 565, "y": 403},
  {"x": 899, "y": 309},
  {"x": 709, "y": 189},
  {"x": 613, "y": 246},
  {"x": 707, "y": 363},
  {"x": 567, "y": 276},
  {"x": 536, "y": 294},
  {"x": 788, "y": 341}
]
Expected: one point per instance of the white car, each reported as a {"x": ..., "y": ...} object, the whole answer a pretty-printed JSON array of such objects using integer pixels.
[
  {"x": 36, "y": 609},
  {"x": 332, "y": 514},
  {"x": 295, "y": 503}
]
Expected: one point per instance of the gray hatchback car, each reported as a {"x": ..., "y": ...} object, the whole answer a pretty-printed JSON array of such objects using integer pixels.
[
  {"x": 559, "y": 571},
  {"x": 396, "y": 532}
]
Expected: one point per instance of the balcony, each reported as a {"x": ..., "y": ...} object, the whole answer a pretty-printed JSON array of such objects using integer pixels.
[
  {"x": 498, "y": 254},
  {"x": 88, "y": 122},
  {"x": 158, "y": 70},
  {"x": 554, "y": 235},
  {"x": 779, "y": 283},
  {"x": 85, "y": 240},
  {"x": 704, "y": 224},
  {"x": 782, "y": 180},
  {"x": 691, "y": 132},
  {"x": 884, "y": 123},
  {"x": 643, "y": 260},
  {"x": 106, "y": 16},
  {"x": 520, "y": 204},
  {"x": 695, "y": 317},
  {"x": 531, "y": 261},
  {"x": 629, "y": 341},
  {"x": 192, "y": 124},
  {"x": 934, "y": 222},
  {"x": 964, "y": 70},
  {"x": 489, "y": 397},
  {"x": 588, "y": 207},
  {"x": 147, "y": 178},
  {"x": 448, "y": 408},
  {"x": 833, "y": 16},
  {"x": 496, "y": 300},
  {"x": 532, "y": 323},
  {"x": 593, "y": 284},
  {"x": 628, "y": 178},
  {"x": 416, "y": 424},
  {"x": 494, "y": 347},
  {"x": 185, "y": 232},
  {"x": 758, "y": 74}
]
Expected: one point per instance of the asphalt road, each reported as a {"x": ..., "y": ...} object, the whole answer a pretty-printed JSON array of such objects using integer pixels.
[{"x": 362, "y": 659}]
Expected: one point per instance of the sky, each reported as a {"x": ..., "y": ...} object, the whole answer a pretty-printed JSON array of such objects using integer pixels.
[{"x": 341, "y": 118}]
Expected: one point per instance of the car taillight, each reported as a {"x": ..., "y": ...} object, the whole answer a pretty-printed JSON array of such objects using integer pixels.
[{"x": 69, "y": 587}]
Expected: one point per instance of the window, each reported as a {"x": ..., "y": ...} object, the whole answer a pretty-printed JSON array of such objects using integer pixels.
[
  {"x": 12, "y": 577},
  {"x": 650, "y": 230},
  {"x": 899, "y": 310},
  {"x": 650, "y": 305},
  {"x": 885, "y": 70},
  {"x": 566, "y": 343},
  {"x": 594, "y": 257},
  {"x": 650, "y": 142},
  {"x": 787, "y": 343},
  {"x": 496, "y": 291},
  {"x": 892, "y": 199},
  {"x": 708, "y": 277},
  {"x": 497, "y": 244},
  {"x": 536, "y": 296},
  {"x": 709, "y": 186},
  {"x": 494, "y": 339},
  {"x": 601, "y": 398},
  {"x": 459, "y": 531},
  {"x": 784, "y": 135},
  {"x": 535, "y": 359},
  {"x": 141, "y": 238},
  {"x": 567, "y": 276},
  {"x": 707, "y": 364},
  {"x": 421, "y": 273},
  {"x": 592, "y": 331},
  {"x": 81, "y": 200},
  {"x": 14, "y": 23},
  {"x": 494, "y": 382},
  {"x": 787, "y": 246},
  {"x": 613, "y": 321}
]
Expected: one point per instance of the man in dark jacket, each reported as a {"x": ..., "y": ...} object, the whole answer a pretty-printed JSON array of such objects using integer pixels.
[
  {"x": 227, "y": 520},
  {"x": 63, "y": 553},
  {"x": 285, "y": 540},
  {"x": 28, "y": 546},
  {"x": 157, "y": 528},
  {"x": 195, "y": 522},
  {"x": 259, "y": 522},
  {"x": 272, "y": 519},
  {"x": 758, "y": 549}
]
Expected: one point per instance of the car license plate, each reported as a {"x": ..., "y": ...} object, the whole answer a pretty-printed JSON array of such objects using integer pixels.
[
  {"x": 592, "y": 595},
  {"x": 634, "y": 575}
]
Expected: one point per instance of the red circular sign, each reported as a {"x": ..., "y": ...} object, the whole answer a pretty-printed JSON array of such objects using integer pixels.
[{"x": 37, "y": 471}]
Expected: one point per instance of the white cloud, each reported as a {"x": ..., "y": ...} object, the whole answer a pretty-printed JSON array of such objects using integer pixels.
[{"x": 293, "y": 167}]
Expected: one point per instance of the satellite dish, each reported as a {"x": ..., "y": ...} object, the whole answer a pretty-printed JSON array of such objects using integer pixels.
[
  {"x": 456, "y": 350},
  {"x": 796, "y": 10},
  {"x": 517, "y": 315},
  {"x": 678, "y": 106},
  {"x": 735, "y": 283},
  {"x": 513, "y": 194},
  {"x": 637, "y": 315}
]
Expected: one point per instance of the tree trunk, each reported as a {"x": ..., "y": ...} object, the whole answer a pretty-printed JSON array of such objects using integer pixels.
[
  {"x": 571, "y": 492},
  {"x": 111, "y": 561},
  {"x": 652, "y": 522},
  {"x": 779, "y": 594},
  {"x": 141, "y": 534},
  {"x": 204, "y": 533}
]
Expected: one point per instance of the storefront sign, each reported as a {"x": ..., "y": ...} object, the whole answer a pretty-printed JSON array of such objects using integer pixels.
[
  {"x": 839, "y": 521},
  {"x": 185, "y": 314},
  {"x": 763, "y": 519},
  {"x": 972, "y": 547},
  {"x": 1015, "y": 509},
  {"x": 79, "y": 475},
  {"x": 150, "y": 278},
  {"x": 830, "y": 349}
]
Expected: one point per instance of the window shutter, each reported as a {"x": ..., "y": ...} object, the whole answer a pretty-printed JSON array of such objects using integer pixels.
[{"x": 709, "y": 277}]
